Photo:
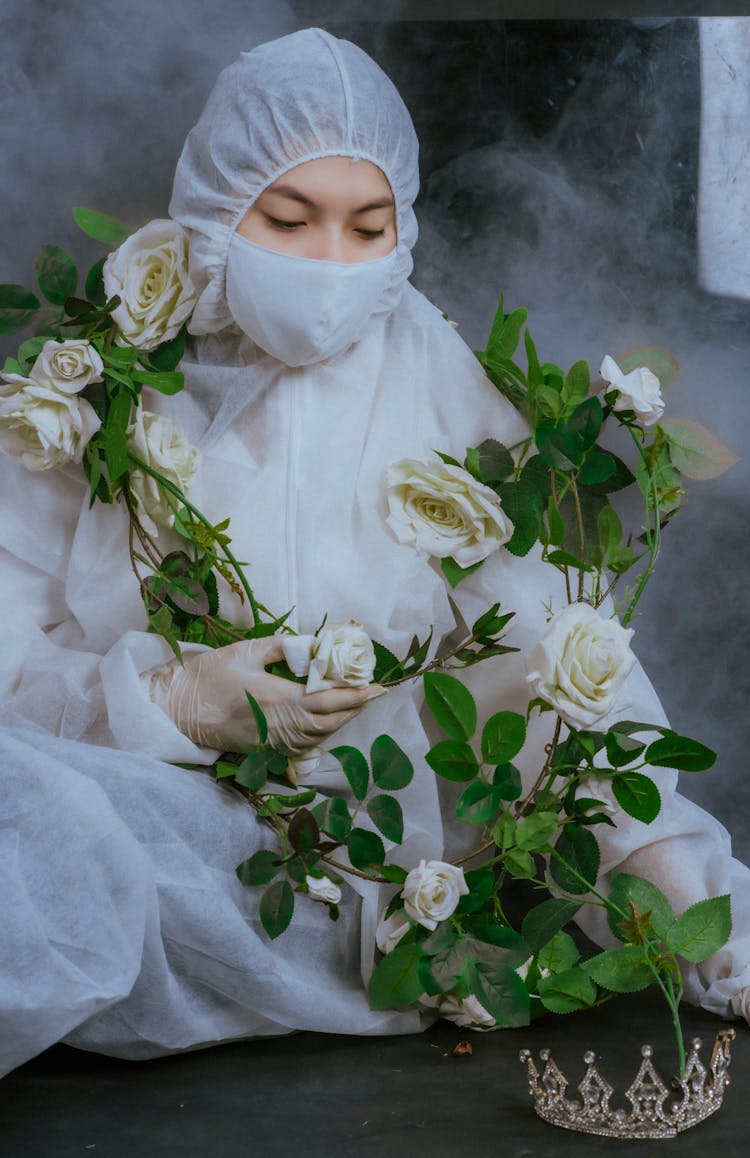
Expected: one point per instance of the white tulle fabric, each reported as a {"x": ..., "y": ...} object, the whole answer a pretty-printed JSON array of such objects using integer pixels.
[{"x": 125, "y": 929}]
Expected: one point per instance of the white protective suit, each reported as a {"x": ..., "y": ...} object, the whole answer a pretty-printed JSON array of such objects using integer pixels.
[{"x": 124, "y": 927}]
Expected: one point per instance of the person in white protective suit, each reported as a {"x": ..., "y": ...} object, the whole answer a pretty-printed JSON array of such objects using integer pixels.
[{"x": 313, "y": 365}]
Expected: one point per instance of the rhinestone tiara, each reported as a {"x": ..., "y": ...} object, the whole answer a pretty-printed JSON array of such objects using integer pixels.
[{"x": 655, "y": 1111}]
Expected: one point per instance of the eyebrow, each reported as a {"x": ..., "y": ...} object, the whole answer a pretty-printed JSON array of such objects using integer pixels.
[{"x": 293, "y": 194}]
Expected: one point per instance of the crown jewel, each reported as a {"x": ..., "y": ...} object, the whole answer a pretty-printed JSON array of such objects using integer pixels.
[{"x": 654, "y": 1112}]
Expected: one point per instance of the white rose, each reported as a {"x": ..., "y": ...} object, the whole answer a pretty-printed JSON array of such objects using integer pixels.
[
  {"x": 160, "y": 442},
  {"x": 465, "y": 1011},
  {"x": 580, "y": 663},
  {"x": 149, "y": 272},
  {"x": 68, "y": 366},
  {"x": 342, "y": 656},
  {"x": 42, "y": 425},
  {"x": 443, "y": 511},
  {"x": 640, "y": 390},
  {"x": 389, "y": 932},
  {"x": 432, "y": 890},
  {"x": 323, "y": 889}
]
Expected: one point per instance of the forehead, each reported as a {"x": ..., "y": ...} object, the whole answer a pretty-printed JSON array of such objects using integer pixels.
[{"x": 339, "y": 178}]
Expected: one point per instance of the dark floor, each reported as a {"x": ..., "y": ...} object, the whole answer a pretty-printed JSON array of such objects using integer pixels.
[{"x": 317, "y": 1095}]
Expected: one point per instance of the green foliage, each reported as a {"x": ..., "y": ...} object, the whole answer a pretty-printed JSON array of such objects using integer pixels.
[
  {"x": 543, "y": 921},
  {"x": 396, "y": 980},
  {"x": 575, "y": 859},
  {"x": 333, "y": 817},
  {"x": 453, "y": 760},
  {"x": 503, "y": 736},
  {"x": 101, "y": 226},
  {"x": 385, "y": 813},
  {"x": 454, "y": 573},
  {"x": 679, "y": 752},
  {"x": 277, "y": 908},
  {"x": 260, "y": 868},
  {"x": 560, "y": 953},
  {"x": 391, "y": 767},
  {"x": 507, "y": 780},
  {"x": 366, "y": 849},
  {"x": 355, "y": 769},
  {"x": 627, "y": 890},
  {"x": 479, "y": 803},
  {"x": 623, "y": 970},
  {"x": 567, "y": 991},
  {"x": 702, "y": 929},
  {"x": 452, "y": 705},
  {"x": 637, "y": 795},
  {"x": 56, "y": 273},
  {"x": 18, "y": 306}
]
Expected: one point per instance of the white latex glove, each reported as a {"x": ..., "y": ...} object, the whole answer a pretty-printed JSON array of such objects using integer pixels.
[{"x": 206, "y": 699}]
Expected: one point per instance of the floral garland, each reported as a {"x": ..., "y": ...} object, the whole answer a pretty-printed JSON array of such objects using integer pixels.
[{"x": 73, "y": 394}]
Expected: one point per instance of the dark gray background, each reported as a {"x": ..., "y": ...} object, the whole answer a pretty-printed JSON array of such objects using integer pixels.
[{"x": 559, "y": 166}]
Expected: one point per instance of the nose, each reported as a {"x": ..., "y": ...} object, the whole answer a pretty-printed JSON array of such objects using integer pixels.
[{"x": 328, "y": 244}]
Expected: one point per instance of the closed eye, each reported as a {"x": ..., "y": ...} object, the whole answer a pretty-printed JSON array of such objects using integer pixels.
[
  {"x": 371, "y": 234},
  {"x": 287, "y": 226}
]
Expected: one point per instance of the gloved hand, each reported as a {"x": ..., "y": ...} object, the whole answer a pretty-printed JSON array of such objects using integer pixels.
[{"x": 206, "y": 699}]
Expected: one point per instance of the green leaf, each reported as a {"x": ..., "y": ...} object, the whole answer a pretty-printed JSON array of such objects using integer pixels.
[
  {"x": 702, "y": 929},
  {"x": 94, "y": 284},
  {"x": 534, "y": 832},
  {"x": 454, "y": 573},
  {"x": 505, "y": 333},
  {"x": 679, "y": 752},
  {"x": 524, "y": 505},
  {"x": 260, "y": 868},
  {"x": 480, "y": 883},
  {"x": 501, "y": 992},
  {"x": 17, "y": 308},
  {"x": 478, "y": 803},
  {"x": 597, "y": 468},
  {"x": 169, "y": 355},
  {"x": 355, "y": 769},
  {"x": 260, "y": 719},
  {"x": 100, "y": 226},
  {"x": 577, "y": 383},
  {"x": 507, "y": 780},
  {"x": 555, "y": 524},
  {"x": 385, "y": 813},
  {"x": 621, "y": 478},
  {"x": 567, "y": 991},
  {"x": 303, "y": 831},
  {"x": 451, "y": 704},
  {"x": 395, "y": 981},
  {"x": 453, "y": 760},
  {"x": 637, "y": 795},
  {"x": 253, "y": 772},
  {"x": 387, "y": 666},
  {"x": 558, "y": 448},
  {"x": 585, "y": 423},
  {"x": 621, "y": 750},
  {"x": 623, "y": 970},
  {"x": 695, "y": 451},
  {"x": 393, "y": 872},
  {"x": 56, "y": 273},
  {"x": 543, "y": 921},
  {"x": 391, "y": 767},
  {"x": 646, "y": 897},
  {"x": 277, "y": 908},
  {"x": 333, "y": 817},
  {"x": 28, "y": 351},
  {"x": 503, "y": 736},
  {"x": 490, "y": 623},
  {"x": 113, "y": 432},
  {"x": 165, "y": 381},
  {"x": 366, "y": 849},
  {"x": 520, "y": 864},
  {"x": 494, "y": 460},
  {"x": 559, "y": 954},
  {"x": 579, "y": 849}
]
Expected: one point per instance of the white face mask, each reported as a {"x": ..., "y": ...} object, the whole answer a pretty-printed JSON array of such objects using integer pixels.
[{"x": 298, "y": 309}]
